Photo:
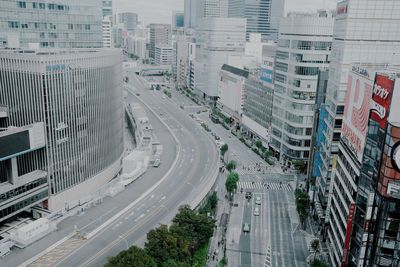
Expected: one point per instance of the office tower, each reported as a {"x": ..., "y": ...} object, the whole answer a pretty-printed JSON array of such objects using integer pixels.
[
  {"x": 107, "y": 9},
  {"x": 216, "y": 39},
  {"x": 77, "y": 95},
  {"x": 258, "y": 96},
  {"x": 65, "y": 24},
  {"x": 159, "y": 34},
  {"x": 178, "y": 20},
  {"x": 304, "y": 48},
  {"x": 164, "y": 55},
  {"x": 181, "y": 51},
  {"x": 362, "y": 34},
  {"x": 190, "y": 14},
  {"x": 129, "y": 19},
  {"x": 212, "y": 9},
  {"x": 107, "y": 32},
  {"x": 262, "y": 15}
]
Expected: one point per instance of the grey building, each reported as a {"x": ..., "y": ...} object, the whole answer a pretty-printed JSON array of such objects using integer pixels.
[
  {"x": 77, "y": 95},
  {"x": 129, "y": 19},
  {"x": 160, "y": 34},
  {"x": 107, "y": 8},
  {"x": 61, "y": 24},
  {"x": 262, "y": 15}
]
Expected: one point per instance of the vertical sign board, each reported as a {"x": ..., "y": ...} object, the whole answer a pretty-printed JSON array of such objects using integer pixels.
[
  {"x": 267, "y": 70},
  {"x": 352, "y": 209},
  {"x": 356, "y": 111},
  {"x": 381, "y": 96}
]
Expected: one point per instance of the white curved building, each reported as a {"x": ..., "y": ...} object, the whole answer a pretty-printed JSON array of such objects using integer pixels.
[
  {"x": 77, "y": 94},
  {"x": 304, "y": 48}
]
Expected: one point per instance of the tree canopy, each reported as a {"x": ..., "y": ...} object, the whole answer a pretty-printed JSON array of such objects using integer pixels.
[{"x": 134, "y": 256}]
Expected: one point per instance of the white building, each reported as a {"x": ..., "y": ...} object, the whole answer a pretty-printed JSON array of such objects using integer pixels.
[
  {"x": 230, "y": 91},
  {"x": 181, "y": 53},
  {"x": 79, "y": 103},
  {"x": 212, "y": 9},
  {"x": 365, "y": 32},
  {"x": 164, "y": 55},
  {"x": 46, "y": 24},
  {"x": 216, "y": 39},
  {"x": 136, "y": 46},
  {"x": 303, "y": 50},
  {"x": 107, "y": 32},
  {"x": 129, "y": 19},
  {"x": 159, "y": 34}
]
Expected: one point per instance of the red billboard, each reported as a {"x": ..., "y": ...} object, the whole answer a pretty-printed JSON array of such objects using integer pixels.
[
  {"x": 381, "y": 96},
  {"x": 352, "y": 210}
]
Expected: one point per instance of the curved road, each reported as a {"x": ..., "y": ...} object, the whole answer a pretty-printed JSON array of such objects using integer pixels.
[{"x": 195, "y": 169}]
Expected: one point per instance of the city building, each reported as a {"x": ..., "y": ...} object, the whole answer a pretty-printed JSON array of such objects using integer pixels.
[
  {"x": 304, "y": 48},
  {"x": 345, "y": 181},
  {"x": 23, "y": 169},
  {"x": 164, "y": 55},
  {"x": 212, "y": 9},
  {"x": 181, "y": 61},
  {"x": 159, "y": 34},
  {"x": 63, "y": 24},
  {"x": 190, "y": 14},
  {"x": 76, "y": 95},
  {"x": 231, "y": 92},
  {"x": 108, "y": 9},
  {"x": 178, "y": 20},
  {"x": 362, "y": 34},
  {"x": 216, "y": 39},
  {"x": 107, "y": 32},
  {"x": 262, "y": 16},
  {"x": 129, "y": 19},
  {"x": 258, "y": 96},
  {"x": 135, "y": 46}
]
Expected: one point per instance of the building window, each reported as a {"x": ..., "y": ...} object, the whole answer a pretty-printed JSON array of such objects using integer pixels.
[
  {"x": 21, "y": 4},
  {"x": 42, "y": 5},
  {"x": 34, "y": 5},
  {"x": 13, "y": 24}
]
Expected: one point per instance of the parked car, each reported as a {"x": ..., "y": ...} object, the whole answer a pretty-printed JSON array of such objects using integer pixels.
[
  {"x": 256, "y": 211},
  {"x": 258, "y": 200},
  {"x": 156, "y": 163}
]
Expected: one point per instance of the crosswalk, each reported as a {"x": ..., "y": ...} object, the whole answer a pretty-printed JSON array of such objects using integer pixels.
[{"x": 267, "y": 186}]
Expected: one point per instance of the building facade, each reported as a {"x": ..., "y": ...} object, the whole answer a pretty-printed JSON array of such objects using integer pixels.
[
  {"x": 107, "y": 33},
  {"x": 304, "y": 49},
  {"x": 129, "y": 19},
  {"x": 65, "y": 24},
  {"x": 77, "y": 95},
  {"x": 108, "y": 9},
  {"x": 216, "y": 39},
  {"x": 362, "y": 34},
  {"x": 159, "y": 34},
  {"x": 164, "y": 55},
  {"x": 262, "y": 16}
]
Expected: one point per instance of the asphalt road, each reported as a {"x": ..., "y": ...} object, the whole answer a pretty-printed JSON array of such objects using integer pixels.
[{"x": 197, "y": 161}]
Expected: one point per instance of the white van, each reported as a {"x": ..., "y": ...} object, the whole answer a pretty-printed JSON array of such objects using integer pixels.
[{"x": 258, "y": 200}]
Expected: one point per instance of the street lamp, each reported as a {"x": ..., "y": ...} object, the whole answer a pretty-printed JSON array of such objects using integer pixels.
[{"x": 126, "y": 241}]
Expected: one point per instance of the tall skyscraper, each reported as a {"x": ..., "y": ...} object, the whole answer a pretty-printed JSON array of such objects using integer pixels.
[
  {"x": 262, "y": 15},
  {"x": 76, "y": 95},
  {"x": 178, "y": 20},
  {"x": 212, "y": 9},
  {"x": 107, "y": 9},
  {"x": 65, "y": 24},
  {"x": 216, "y": 39},
  {"x": 190, "y": 14},
  {"x": 159, "y": 34},
  {"x": 129, "y": 19},
  {"x": 304, "y": 48},
  {"x": 362, "y": 34},
  {"x": 107, "y": 32}
]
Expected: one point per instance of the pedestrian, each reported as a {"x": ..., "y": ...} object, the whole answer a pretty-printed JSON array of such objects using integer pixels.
[{"x": 219, "y": 243}]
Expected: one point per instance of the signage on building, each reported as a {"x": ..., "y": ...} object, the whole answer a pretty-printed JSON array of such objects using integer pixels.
[
  {"x": 381, "y": 96},
  {"x": 267, "y": 69},
  {"x": 352, "y": 210},
  {"x": 342, "y": 8},
  {"x": 356, "y": 112}
]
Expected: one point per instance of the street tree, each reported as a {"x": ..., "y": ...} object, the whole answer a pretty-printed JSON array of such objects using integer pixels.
[
  {"x": 316, "y": 247},
  {"x": 258, "y": 144},
  {"x": 231, "y": 165},
  {"x": 134, "y": 256},
  {"x": 192, "y": 226},
  {"x": 300, "y": 165},
  {"x": 231, "y": 182},
  {"x": 224, "y": 149}
]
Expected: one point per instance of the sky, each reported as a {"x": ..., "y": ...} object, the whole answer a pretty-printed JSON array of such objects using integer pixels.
[{"x": 159, "y": 11}]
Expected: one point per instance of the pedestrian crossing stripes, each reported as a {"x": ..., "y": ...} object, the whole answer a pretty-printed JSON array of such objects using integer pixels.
[
  {"x": 242, "y": 172},
  {"x": 268, "y": 186},
  {"x": 267, "y": 262}
]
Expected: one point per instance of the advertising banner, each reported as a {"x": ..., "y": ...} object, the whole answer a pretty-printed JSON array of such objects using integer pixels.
[
  {"x": 266, "y": 75},
  {"x": 381, "y": 96},
  {"x": 356, "y": 112},
  {"x": 352, "y": 210}
]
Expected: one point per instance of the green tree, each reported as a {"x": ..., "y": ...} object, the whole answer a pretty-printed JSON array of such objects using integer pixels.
[
  {"x": 134, "y": 256},
  {"x": 231, "y": 182},
  {"x": 231, "y": 165},
  {"x": 258, "y": 144},
  {"x": 316, "y": 247},
  {"x": 319, "y": 263},
  {"x": 163, "y": 245},
  {"x": 224, "y": 149},
  {"x": 192, "y": 226},
  {"x": 302, "y": 204},
  {"x": 300, "y": 165}
]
